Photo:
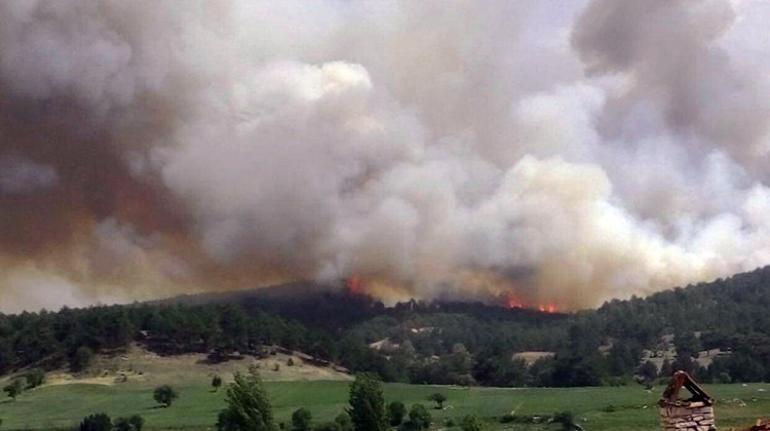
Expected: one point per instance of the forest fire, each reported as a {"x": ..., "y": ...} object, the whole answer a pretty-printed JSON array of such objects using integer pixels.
[
  {"x": 355, "y": 285},
  {"x": 548, "y": 308},
  {"x": 514, "y": 302}
]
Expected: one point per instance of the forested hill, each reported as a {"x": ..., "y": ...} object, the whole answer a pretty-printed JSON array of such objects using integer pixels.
[
  {"x": 733, "y": 306},
  {"x": 314, "y": 305},
  {"x": 446, "y": 343},
  {"x": 729, "y": 317}
]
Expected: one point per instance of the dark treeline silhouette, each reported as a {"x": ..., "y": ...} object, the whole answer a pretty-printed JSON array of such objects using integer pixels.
[{"x": 419, "y": 342}]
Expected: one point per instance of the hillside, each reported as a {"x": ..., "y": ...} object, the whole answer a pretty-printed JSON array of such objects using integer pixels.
[
  {"x": 440, "y": 342},
  {"x": 315, "y": 305}
]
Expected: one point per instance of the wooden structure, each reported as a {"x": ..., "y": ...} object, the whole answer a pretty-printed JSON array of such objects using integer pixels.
[{"x": 692, "y": 414}]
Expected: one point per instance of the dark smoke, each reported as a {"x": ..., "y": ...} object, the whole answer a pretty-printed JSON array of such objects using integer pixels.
[{"x": 556, "y": 152}]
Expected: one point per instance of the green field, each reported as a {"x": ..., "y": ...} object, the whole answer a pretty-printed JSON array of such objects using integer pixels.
[{"x": 56, "y": 407}]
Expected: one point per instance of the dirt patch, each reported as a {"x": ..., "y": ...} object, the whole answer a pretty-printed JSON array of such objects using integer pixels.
[
  {"x": 136, "y": 364},
  {"x": 532, "y": 357}
]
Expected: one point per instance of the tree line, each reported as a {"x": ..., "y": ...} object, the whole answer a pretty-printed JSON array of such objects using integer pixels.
[{"x": 421, "y": 342}]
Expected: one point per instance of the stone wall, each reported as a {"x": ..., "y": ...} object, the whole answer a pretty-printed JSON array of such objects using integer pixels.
[{"x": 693, "y": 417}]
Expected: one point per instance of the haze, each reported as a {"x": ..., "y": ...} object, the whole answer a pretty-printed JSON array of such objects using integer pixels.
[{"x": 560, "y": 152}]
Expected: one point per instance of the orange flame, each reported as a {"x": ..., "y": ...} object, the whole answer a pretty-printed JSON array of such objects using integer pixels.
[
  {"x": 355, "y": 285},
  {"x": 548, "y": 308},
  {"x": 511, "y": 301}
]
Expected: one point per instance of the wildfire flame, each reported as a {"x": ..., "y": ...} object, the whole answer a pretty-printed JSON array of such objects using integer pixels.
[
  {"x": 355, "y": 285},
  {"x": 512, "y": 301},
  {"x": 548, "y": 308}
]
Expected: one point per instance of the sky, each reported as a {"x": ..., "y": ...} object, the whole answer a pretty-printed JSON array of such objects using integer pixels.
[{"x": 543, "y": 152}]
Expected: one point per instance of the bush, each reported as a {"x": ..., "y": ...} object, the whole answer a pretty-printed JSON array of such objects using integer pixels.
[
  {"x": 164, "y": 395},
  {"x": 519, "y": 419},
  {"x": 344, "y": 422},
  {"x": 419, "y": 416},
  {"x": 566, "y": 419},
  {"x": 301, "y": 419},
  {"x": 396, "y": 413},
  {"x": 82, "y": 358},
  {"x": 471, "y": 423},
  {"x": 137, "y": 422},
  {"x": 133, "y": 423},
  {"x": 35, "y": 377},
  {"x": 216, "y": 382},
  {"x": 96, "y": 422},
  {"x": 14, "y": 389},
  {"x": 439, "y": 399}
]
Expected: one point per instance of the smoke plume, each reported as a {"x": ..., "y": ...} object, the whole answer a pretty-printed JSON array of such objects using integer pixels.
[{"x": 543, "y": 151}]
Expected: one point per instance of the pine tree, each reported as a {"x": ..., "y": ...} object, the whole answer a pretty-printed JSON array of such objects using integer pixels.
[
  {"x": 367, "y": 405},
  {"x": 248, "y": 407}
]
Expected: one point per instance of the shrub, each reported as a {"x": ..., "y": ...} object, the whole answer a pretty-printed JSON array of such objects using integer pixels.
[
  {"x": 301, "y": 419},
  {"x": 96, "y": 422},
  {"x": 519, "y": 419},
  {"x": 344, "y": 422},
  {"x": 396, "y": 413},
  {"x": 419, "y": 416},
  {"x": 14, "y": 389},
  {"x": 137, "y": 422},
  {"x": 35, "y": 377},
  {"x": 82, "y": 358},
  {"x": 471, "y": 423},
  {"x": 133, "y": 423},
  {"x": 439, "y": 399},
  {"x": 216, "y": 382},
  {"x": 164, "y": 395},
  {"x": 566, "y": 419}
]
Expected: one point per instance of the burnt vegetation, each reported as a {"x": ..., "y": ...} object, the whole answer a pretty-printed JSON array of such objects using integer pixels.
[{"x": 418, "y": 342}]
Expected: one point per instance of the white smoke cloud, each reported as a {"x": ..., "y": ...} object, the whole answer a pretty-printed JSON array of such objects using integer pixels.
[{"x": 574, "y": 152}]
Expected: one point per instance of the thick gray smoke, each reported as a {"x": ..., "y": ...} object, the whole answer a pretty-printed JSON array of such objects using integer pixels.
[{"x": 549, "y": 152}]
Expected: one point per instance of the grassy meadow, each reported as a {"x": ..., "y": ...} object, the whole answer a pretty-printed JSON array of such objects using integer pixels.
[{"x": 632, "y": 408}]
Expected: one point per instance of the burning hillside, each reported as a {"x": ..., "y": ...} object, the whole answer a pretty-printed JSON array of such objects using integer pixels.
[{"x": 563, "y": 153}]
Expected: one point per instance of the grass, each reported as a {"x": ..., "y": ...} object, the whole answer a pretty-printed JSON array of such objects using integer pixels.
[{"x": 633, "y": 408}]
